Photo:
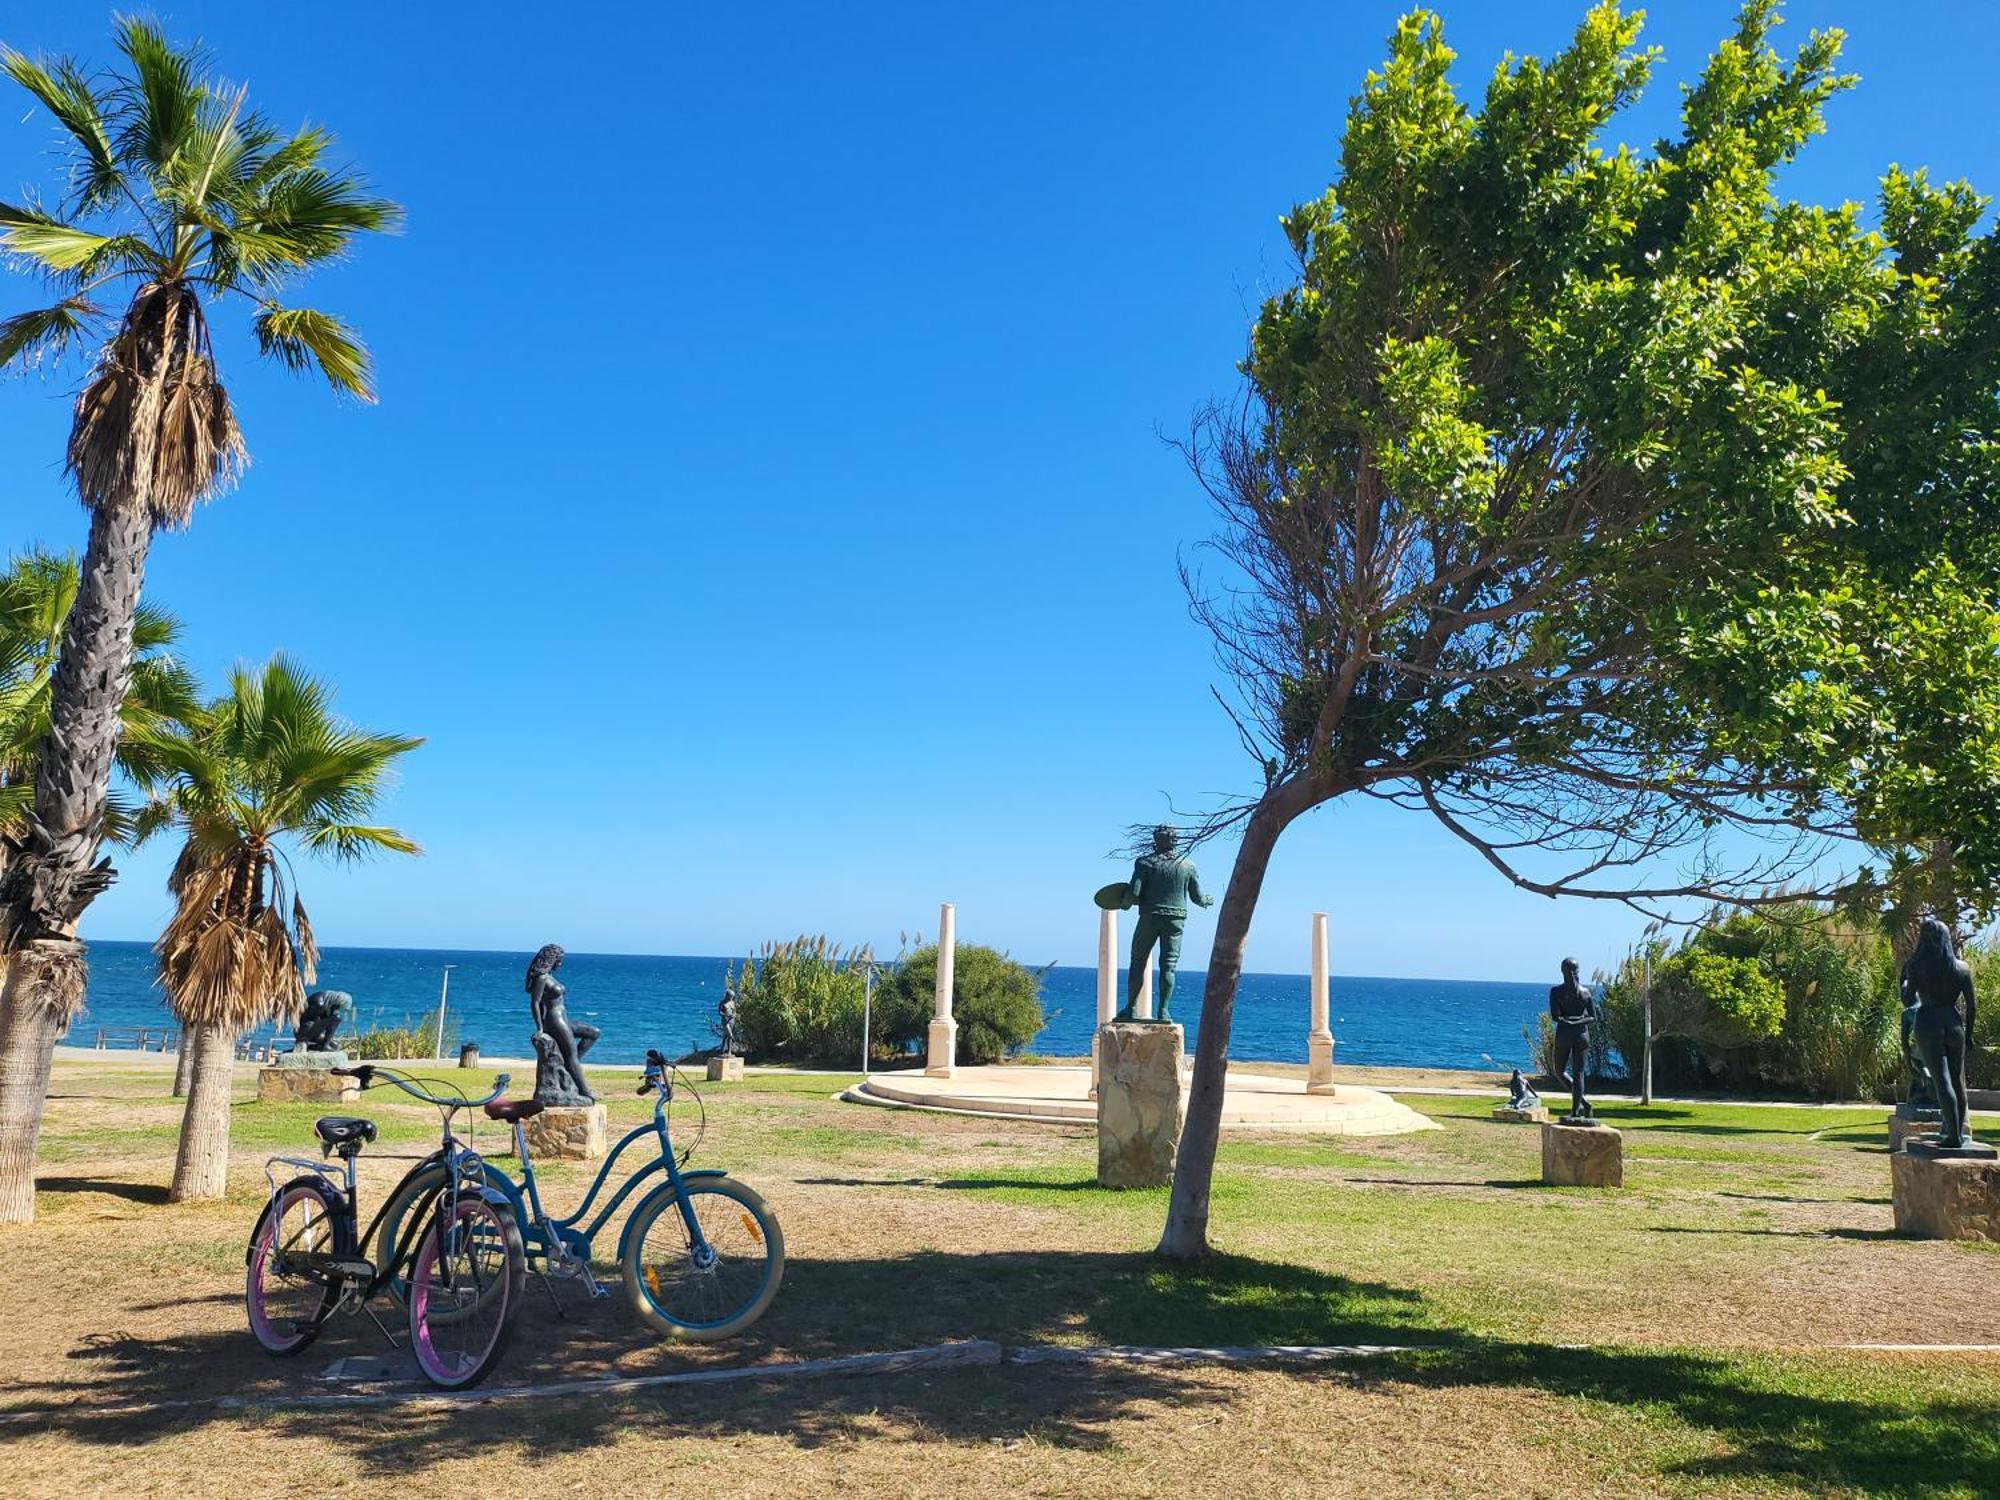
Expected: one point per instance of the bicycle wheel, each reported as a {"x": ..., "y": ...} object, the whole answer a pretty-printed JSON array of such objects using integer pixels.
[
  {"x": 713, "y": 1291},
  {"x": 288, "y": 1304},
  {"x": 464, "y": 1287},
  {"x": 408, "y": 1198}
]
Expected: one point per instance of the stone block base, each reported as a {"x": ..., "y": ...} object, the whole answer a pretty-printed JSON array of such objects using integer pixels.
[
  {"x": 1319, "y": 1064},
  {"x": 300, "y": 1085},
  {"x": 1141, "y": 1100},
  {"x": 722, "y": 1069},
  {"x": 1945, "y": 1197},
  {"x": 1583, "y": 1156},
  {"x": 941, "y": 1051},
  {"x": 566, "y": 1132},
  {"x": 1539, "y": 1115},
  {"x": 1903, "y": 1127}
]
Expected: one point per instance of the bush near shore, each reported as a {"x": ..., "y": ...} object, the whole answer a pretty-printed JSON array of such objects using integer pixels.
[
  {"x": 802, "y": 1001},
  {"x": 1791, "y": 999}
]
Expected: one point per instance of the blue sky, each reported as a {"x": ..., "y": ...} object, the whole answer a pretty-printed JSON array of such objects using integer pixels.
[{"x": 767, "y": 516}]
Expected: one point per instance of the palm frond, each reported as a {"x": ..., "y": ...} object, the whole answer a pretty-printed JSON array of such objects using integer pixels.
[
  {"x": 302, "y": 338},
  {"x": 66, "y": 93},
  {"x": 47, "y": 333},
  {"x": 163, "y": 98}
]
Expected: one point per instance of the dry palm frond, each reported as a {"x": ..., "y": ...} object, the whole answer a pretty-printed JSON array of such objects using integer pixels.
[
  {"x": 155, "y": 422},
  {"x": 54, "y": 979},
  {"x": 227, "y": 957}
]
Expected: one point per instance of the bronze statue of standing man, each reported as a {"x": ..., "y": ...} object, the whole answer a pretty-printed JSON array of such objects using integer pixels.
[
  {"x": 1161, "y": 886},
  {"x": 1572, "y": 1007}
]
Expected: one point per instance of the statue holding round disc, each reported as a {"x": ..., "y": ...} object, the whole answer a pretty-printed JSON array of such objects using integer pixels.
[{"x": 1161, "y": 886}]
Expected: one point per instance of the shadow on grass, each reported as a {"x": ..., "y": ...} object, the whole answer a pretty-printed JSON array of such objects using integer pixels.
[
  {"x": 1789, "y": 1234},
  {"x": 1831, "y": 1425},
  {"x": 133, "y": 1192}
]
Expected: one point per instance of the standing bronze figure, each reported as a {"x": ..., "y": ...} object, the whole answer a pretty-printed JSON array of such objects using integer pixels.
[
  {"x": 559, "y": 1042},
  {"x": 1934, "y": 981},
  {"x": 1572, "y": 1007},
  {"x": 1162, "y": 884}
]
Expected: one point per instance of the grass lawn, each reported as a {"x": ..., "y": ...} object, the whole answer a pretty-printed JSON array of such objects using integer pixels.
[{"x": 1683, "y": 1336}]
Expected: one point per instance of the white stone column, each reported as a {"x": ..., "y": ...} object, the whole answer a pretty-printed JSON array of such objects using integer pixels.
[
  {"x": 1144, "y": 1009},
  {"x": 1319, "y": 1040},
  {"x": 941, "y": 1058},
  {"x": 1107, "y": 987}
]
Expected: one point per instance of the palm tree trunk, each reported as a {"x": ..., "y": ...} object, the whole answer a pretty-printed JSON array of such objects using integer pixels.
[
  {"x": 44, "y": 987},
  {"x": 184, "y": 1063},
  {"x": 1186, "y": 1234},
  {"x": 201, "y": 1169}
]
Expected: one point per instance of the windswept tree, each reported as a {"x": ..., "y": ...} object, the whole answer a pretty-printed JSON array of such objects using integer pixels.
[
  {"x": 176, "y": 194},
  {"x": 265, "y": 767},
  {"x": 1637, "y": 525}
]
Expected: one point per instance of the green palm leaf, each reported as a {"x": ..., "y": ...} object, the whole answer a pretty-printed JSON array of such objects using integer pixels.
[{"x": 301, "y": 338}]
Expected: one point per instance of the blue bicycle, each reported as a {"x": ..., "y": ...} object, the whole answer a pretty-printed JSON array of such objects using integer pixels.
[{"x": 702, "y": 1254}]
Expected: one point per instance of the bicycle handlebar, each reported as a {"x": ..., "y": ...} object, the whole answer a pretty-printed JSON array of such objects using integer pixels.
[{"x": 367, "y": 1073}]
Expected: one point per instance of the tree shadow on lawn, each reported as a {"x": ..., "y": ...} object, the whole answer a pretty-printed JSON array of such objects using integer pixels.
[
  {"x": 1845, "y": 1425},
  {"x": 110, "y": 1187}
]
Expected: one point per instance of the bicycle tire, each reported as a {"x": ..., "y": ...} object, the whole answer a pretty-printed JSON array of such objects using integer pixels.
[
  {"x": 288, "y": 1335},
  {"x": 436, "y": 1306},
  {"x": 735, "y": 1300}
]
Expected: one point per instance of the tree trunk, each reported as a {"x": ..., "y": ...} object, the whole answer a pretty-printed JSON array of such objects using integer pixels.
[
  {"x": 183, "y": 1063},
  {"x": 201, "y": 1169},
  {"x": 1186, "y": 1233},
  {"x": 43, "y": 989}
]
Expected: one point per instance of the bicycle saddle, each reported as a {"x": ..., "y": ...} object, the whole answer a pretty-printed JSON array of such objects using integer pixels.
[
  {"x": 343, "y": 1131},
  {"x": 514, "y": 1109}
]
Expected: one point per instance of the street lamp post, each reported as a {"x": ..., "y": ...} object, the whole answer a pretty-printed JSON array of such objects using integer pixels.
[{"x": 444, "y": 991}]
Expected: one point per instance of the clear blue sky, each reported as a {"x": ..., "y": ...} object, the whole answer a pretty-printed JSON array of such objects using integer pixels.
[{"x": 767, "y": 504}]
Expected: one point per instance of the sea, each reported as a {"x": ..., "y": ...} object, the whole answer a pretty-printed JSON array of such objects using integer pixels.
[{"x": 650, "y": 1000}]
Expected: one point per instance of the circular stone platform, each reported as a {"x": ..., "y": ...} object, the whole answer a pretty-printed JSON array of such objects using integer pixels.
[{"x": 1250, "y": 1101}]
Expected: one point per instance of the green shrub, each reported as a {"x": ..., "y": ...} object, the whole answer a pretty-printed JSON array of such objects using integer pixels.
[
  {"x": 996, "y": 1002},
  {"x": 1790, "y": 999},
  {"x": 801, "y": 1001},
  {"x": 412, "y": 1039}
]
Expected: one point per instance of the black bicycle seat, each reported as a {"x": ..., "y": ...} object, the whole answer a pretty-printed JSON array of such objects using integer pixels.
[{"x": 338, "y": 1132}]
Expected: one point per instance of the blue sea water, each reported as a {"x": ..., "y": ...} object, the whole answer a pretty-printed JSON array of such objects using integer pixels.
[{"x": 642, "y": 1001}]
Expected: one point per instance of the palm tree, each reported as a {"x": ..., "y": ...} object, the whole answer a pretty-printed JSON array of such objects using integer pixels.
[
  {"x": 181, "y": 194},
  {"x": 266, "y": 766},
  {"x": 37, "y": 592}
]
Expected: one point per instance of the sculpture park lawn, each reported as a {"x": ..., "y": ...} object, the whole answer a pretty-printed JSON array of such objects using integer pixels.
[{"x": 1684, "y": 1336}]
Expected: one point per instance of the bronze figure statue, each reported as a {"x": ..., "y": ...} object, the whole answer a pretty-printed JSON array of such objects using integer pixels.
[
  {"x": 1161, "y": 886},
  {"x": 1934, "y": 981},
  {"x": 321, "y": 1018},
  {"x": 1519, "y": 1095},
  {"x": 727, "y": 1023},
  {"x": 559, "y": 1042},
  {"x": 1572, "y": 1007}
]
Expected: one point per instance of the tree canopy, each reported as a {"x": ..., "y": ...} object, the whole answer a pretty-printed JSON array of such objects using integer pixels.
[{"x": 1633, "y": 521}]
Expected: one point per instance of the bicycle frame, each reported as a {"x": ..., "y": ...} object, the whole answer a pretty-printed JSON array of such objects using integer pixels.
[
  {"x": 465, "y": 1167},
  {"x": 578, "y": 1237}
]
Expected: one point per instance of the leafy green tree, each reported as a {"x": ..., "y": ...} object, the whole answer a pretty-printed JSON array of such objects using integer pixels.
[
  {"x": 264, "y": 768},
  {"x": 996, "y": 1001},
  {"x": 176, "y": 191},
  {"x": 1569, "y": 499}
]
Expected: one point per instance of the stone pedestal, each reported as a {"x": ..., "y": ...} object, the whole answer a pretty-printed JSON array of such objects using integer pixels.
[
  {"x": 566, "y": 1132},
  {"x": 724, "y": 1068},
  {"x": 1140, "y": 1103},
  {"x": 1907, "y": 1122},
  {"x": 941, "y": 1051},
  {"x": 306, "y": 1077},
  {"x": 1946, "y": 1193},
  {"x": 1508, "y": 1115},
  {"x": 1582, "y": 1156},
  {"x": 1319, "y": 1064}
]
